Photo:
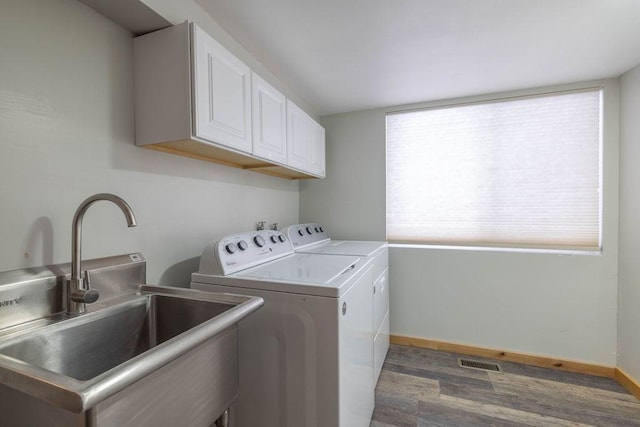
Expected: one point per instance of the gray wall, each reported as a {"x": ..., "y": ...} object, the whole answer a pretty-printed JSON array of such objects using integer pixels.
[
  {"x": 67, "y": 131},
  {"x": 629, "y": 280},
  {"x": 548, "y": 304}
]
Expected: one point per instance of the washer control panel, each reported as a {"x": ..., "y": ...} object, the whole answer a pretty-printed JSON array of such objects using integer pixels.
[
  {"x": 243, "y": 250},
  {"x": 306, "y": 234}
]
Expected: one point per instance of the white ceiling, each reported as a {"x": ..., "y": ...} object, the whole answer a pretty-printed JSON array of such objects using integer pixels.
[{"x": 346, "y": 55}]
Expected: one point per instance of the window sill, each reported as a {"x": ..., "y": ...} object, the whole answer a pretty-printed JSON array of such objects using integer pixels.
[{"x": 498, "y": 249}]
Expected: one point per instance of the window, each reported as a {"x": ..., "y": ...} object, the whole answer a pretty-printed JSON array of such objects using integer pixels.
[{"x": 516, "y": 172}]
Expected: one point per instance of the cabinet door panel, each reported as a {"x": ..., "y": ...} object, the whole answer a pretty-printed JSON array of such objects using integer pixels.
[
  {"x": 298, "y": 137},
  {"x": 222, "y": 94},
  {"x": 317, "y": 150},
  {"x": 305, "y": 141},
  {"x": 269, "y": 121}
]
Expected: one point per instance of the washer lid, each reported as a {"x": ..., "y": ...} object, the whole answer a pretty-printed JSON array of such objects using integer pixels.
[
  {"x": 345, "y": 247},
  {"x": 303, "y": 268}
]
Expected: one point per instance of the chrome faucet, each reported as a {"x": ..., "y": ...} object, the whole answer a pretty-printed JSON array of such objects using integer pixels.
[{"x": 78, "y": 291}]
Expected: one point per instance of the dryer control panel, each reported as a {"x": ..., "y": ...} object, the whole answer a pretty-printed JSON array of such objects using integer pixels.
[
  {"x": 243, "y": 250},
  {"x": 302, "y": 235}
]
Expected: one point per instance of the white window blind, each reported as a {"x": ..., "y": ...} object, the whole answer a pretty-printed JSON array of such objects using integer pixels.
[{"x": 518, "y": 172}]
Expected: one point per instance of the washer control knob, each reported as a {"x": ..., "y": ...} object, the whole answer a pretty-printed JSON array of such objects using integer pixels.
[
  {"x": 321, "y": 230},
  {"x": 309, "y": 230},
  {"x": 274, "y": 239},
  {"x": 242, "y": 245},
  {"x": 317, "y": 229},
  {"x": 259, "y": 241},
  {"x": 231, "y": 248},
  {"x": 282, "y": 238}
]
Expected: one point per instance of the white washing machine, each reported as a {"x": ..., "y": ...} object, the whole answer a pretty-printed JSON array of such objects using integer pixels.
[
  {"x": 314, "y": 238},
  {"x": 306, "y": 357}
]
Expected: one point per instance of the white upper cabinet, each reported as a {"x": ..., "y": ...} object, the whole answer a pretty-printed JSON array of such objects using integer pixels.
[
  {"x": 305, "y": 142},
  {"x": 194, "y": 98},
  {"x": 222, "y": 94},
  {"x": 269, "y": 121}
]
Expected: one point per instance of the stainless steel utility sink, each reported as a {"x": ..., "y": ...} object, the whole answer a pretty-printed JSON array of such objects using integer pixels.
[
  {"x": 150, "y": 356},
  {"x": 88, "y": 346}
]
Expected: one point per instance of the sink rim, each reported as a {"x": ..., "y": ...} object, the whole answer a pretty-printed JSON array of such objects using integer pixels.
[{"x": 80, "y": 395}]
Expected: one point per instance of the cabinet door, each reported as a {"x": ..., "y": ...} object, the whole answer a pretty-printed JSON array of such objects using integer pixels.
[
  {"x": 298, "y": 137},
  {"x": 221, "y": 94},
  {"x": 305, "y": 141},
  {"x": 317, "y": 149},
  {"x": 269, "y": 121}
]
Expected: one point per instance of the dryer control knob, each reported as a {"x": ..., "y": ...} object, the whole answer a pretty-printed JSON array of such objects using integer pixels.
[
  {"x": 259, "y": 241},
  {"x": 231, "y": 248},
  {"x": 301, "y": 233},
  {"x": 309, "y": 230},
  {"x": 242, "y": 245}
]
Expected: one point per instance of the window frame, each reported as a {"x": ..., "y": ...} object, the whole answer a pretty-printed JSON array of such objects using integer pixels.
[{"x": 608, "y": 162}]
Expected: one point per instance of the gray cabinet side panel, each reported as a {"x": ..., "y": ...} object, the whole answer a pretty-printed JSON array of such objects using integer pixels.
[{"x": 161, "y": 69}]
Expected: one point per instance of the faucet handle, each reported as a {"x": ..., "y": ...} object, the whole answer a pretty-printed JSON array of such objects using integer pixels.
[{"x": 86, "y": 296}]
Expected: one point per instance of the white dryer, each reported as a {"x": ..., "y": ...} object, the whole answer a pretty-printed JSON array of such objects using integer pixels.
[
  {"x": 306, "y": 358},
  {"x": 313, "y": 238}
]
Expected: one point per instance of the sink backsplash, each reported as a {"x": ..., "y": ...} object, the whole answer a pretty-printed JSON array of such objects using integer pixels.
[{"x": 32, "y": 294}]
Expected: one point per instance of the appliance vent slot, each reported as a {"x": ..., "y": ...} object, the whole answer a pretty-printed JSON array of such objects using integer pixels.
[{"x": 476, "y": 364}]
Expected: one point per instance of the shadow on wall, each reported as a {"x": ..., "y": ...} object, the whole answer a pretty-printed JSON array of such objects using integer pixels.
[
  {"x": 179, "y": 275},
  {"x": 39, "y": 236}
]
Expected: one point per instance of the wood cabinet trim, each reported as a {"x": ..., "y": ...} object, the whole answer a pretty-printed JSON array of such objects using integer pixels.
[{"x": 223, "y": 156}]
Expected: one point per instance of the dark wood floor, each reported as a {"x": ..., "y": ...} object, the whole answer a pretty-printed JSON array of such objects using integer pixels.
[{"x": 423, "y": 388}]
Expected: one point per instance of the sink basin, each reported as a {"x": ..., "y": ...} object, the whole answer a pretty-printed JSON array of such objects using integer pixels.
[
  {"x": 85, "y": 347},
  {"x": 159, "y": 337}
]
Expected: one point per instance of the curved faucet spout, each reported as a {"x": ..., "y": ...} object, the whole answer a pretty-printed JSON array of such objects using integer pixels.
[{"x": 78, "y": 292}]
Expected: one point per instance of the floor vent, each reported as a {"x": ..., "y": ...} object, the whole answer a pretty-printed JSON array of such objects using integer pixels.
[{"x": 476, "y": 364}]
